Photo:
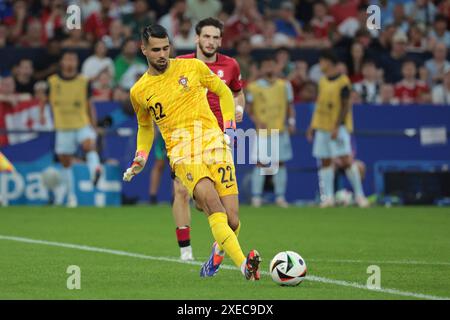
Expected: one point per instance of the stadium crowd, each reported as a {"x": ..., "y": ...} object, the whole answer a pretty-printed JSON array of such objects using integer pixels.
[{"x": 403, "y": 62}]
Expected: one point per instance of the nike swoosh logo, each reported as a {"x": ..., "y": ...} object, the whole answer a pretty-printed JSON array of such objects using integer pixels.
[
  {"x": 150, "y": 97},
  {"x": 225, "y": 240},
  {"x": 229, "y": 186}
]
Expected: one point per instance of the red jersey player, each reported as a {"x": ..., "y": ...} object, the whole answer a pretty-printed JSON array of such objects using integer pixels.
[{"x": 209, "y": 39}]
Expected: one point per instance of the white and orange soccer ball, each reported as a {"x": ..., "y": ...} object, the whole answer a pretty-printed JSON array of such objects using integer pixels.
[{"x": 288, "y": 268}]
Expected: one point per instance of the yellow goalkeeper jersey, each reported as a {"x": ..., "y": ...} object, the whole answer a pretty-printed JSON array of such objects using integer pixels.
[{"x": 176, "y": 101}]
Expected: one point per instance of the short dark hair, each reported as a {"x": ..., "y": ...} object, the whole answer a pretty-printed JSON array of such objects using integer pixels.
[
  {"x": 209, "y": 22},
  {"x": 440, "y": 18},
  {"x": 369, "y": 62},
  {"x": 266, "y": 58},
  {"x": 69, "y": 52},
  {"x": 329, "y": 55},
  {"x": 154, "y": 31},
  {"x": 409, "y": 60}
]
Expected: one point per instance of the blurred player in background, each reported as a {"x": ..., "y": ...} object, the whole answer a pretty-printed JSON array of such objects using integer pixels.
[
  {"x": 331, "y": 126},
  {"x": 209, "y": 39},
  {"x": 270, "y": 100},
  {"x": 74, "y": 120},
  {"x": 172, "y": 93}
]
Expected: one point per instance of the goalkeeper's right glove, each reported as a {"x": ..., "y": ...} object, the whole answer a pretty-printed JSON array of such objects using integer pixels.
[
  {"x": 230, "y": 132},
  {"x": 137, "y": 166}
]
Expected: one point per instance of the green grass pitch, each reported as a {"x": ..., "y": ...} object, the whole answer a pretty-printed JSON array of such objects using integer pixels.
[{"x": 411, "y": 245}]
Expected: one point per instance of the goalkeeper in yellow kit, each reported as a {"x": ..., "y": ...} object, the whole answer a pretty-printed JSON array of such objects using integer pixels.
[{"x": 172, "y": 93}]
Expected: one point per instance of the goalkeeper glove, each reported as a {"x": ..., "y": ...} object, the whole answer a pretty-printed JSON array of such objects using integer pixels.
[
  {"x": 229, "y": 131},
  {"x": 138, "y": 164}
]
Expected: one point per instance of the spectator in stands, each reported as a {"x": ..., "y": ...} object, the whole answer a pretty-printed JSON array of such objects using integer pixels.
[
  {"x": 435, "y": 67},
  {"x": 441, "y": 92},
  {"x": 386, "y": 11},
  {"x": 418, "y": 42},
  {"x": 422, "y": 11},
  {"x": 283, "y": 63},
  {"x": 87, "y": 7},
  {"x": 117, "y": 35},
  {"x": 23, "y": 77},
  {"x": 16, "y": 22},
  {"x": 322, "y": 23},
  {"x": 160, "y": 7},
  {"x": 48, "y": 62},
  {"x": 355, "y": 62},
  {"x": 128, "y": 65},
  {"x": 53, "y": 18},
  {"x": 139, "y": 18},
  {"x": 392, "y": 63},
  {"x": 171, "y": 20},
  {"x": 287, "y": 22},
  {"x": 122, "y": 8},
  {"x": 185, "y": 39},
  {"x": 444, "y": 9},
  {"x": 8, "y": 95},
  {"x": 98, "y": 62},
  {"x": 381, "y": 45},
  {"x": 387, "y": 95},
  {"x": 33, "y": 37},
  {"x": 98, "y": 23},
  {"x": 76, "y": 40},
  {"x": 270, "y": 37},
  {"x": 201, "y": 9},
  {"x": 245, "y": 60},
  {"x": 244, "y": 22},
  {"x": 298, "y": 77},
  {"x": 308, "y": 40},
  {"x": 399, "y": 18},
  {"x": 102, "y": 86},
  {"x": 368, "y": 89},
  {"x": 410, "y": 90},
  {"x": 3, "y": 36},
  {"x": 344, "y": 9},
  {"x": 308, "y": 92},
  {"x": 351, "y": 25},
  {"x": 440, "y": 32}
]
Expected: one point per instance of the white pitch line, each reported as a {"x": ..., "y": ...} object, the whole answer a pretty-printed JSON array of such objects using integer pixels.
[
  {"x": 228, "y": 267},
  {"x": 406, "y": 262}
]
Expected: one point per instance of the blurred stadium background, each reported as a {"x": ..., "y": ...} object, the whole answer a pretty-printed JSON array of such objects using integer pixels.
[{"x": 401, "y": 126}]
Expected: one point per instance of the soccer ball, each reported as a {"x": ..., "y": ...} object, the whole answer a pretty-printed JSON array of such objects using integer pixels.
[
  {"x": 51, "y": 178},
  {"x": 288, "y": 268},
  {"x": 343, "y": 197}
]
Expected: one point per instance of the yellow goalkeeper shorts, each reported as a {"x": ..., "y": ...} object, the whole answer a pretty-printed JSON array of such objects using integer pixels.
[{"x": 221, "y": 172}]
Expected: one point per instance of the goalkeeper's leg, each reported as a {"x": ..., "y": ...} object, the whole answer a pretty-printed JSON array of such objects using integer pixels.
[
  {"x": 182, "y": 216},
  {"x": 231, "y": 204},
  {"x": 207, "y": 197}
]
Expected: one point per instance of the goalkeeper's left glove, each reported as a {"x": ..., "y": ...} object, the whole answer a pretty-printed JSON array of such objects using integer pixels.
[
  {"x": 137, "y": 166},
  {"x": 229, "y": 131}
]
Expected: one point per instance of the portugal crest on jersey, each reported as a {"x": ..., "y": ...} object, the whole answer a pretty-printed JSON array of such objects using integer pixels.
[{"x": 184, "y": 82}]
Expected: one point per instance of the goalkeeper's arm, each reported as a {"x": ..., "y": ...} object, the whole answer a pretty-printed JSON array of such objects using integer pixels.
[
  {"x": 214, "y": 84},
  {"x": 144, "y": 143}
]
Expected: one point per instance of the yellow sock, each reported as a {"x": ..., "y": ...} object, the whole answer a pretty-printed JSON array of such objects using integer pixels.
[
  {"x": 236, "y": 232},
  {"x": 224, "y": 236}
]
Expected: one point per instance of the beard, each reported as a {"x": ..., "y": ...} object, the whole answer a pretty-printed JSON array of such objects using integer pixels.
[
  {"x": 159, "y": 67},
  {"x": 206, "y": 53}
]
